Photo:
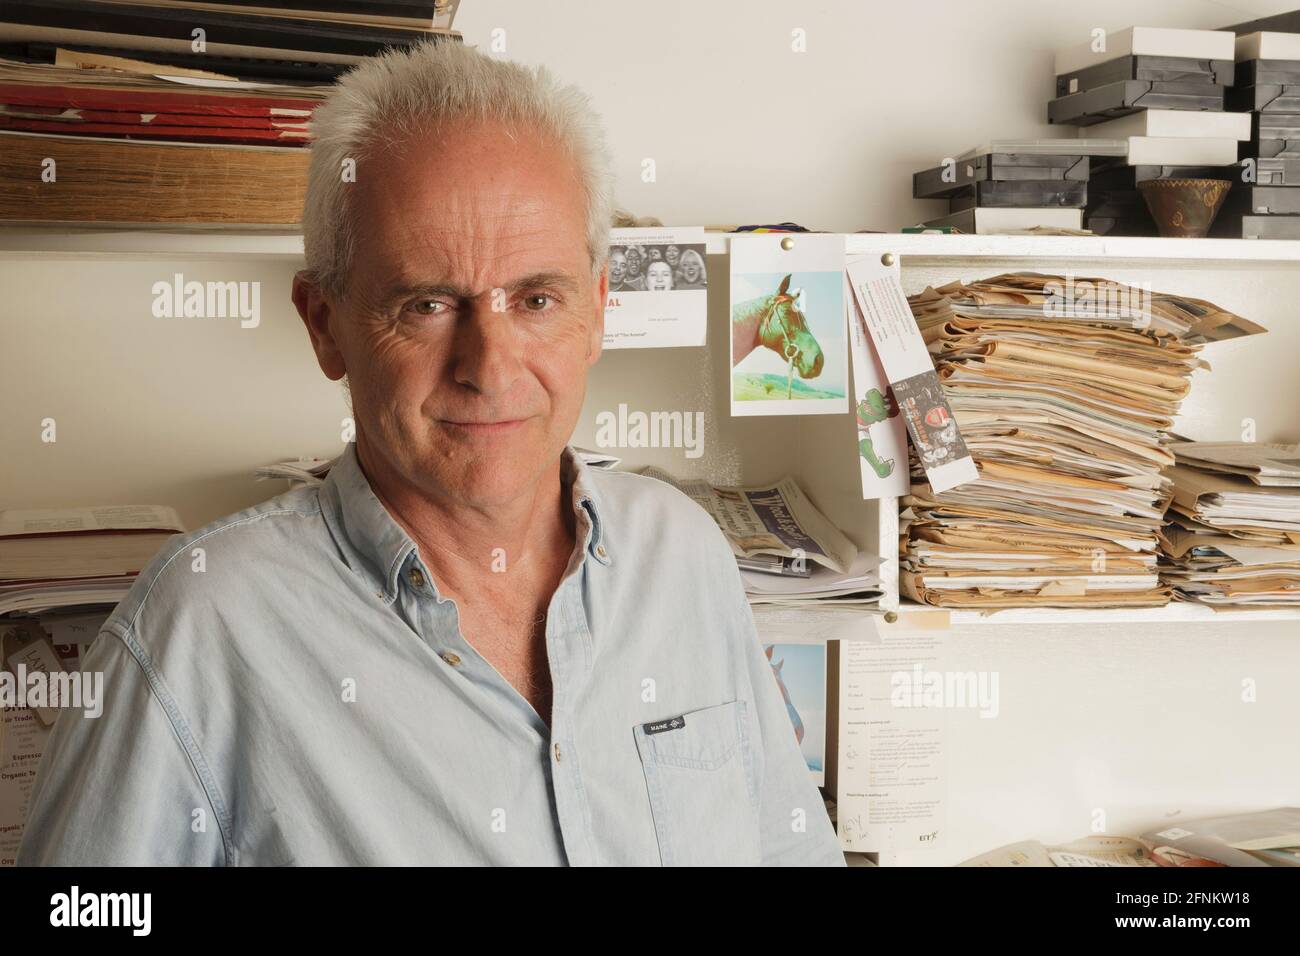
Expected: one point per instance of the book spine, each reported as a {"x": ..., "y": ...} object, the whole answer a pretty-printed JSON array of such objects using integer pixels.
[{"x": 232, "y": 29}]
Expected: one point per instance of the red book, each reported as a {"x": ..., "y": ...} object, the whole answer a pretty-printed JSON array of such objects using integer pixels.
[
  {"x": 150, "y": 101},
  {"x": 138, "y": 131},
  {"x": 75, "y": 117}
]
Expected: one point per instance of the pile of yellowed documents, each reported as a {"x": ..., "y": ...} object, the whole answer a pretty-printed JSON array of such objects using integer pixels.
[
  {"x": 1233, "y": 532},
  {"x": 1062, "y": 388}
]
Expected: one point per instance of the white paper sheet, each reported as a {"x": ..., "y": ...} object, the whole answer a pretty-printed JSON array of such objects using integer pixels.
[
  {"x": 892, "y": 760},
  {"x": 658, "y": 289}
]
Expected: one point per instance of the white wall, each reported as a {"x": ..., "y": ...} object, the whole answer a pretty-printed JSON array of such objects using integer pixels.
[{"x": 742, "y": 130}]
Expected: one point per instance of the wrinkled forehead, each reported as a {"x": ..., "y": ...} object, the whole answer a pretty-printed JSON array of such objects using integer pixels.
[{"x": 474, "y": 205}]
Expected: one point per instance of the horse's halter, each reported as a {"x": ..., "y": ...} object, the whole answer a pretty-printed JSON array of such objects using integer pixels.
[{"x": 789, "y": 350}]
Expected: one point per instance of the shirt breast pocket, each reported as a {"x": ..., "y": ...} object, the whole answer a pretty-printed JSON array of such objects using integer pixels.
[{"x": 699, "y": 775}]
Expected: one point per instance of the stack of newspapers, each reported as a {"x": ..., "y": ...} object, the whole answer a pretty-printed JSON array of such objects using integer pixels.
[
  {"x": 1062, "y": 388},
  {"x": 788, "y": 552},
  {"x": 1232, "y": 537}
]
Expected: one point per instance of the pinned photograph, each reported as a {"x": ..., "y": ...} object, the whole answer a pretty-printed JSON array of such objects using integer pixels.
[
  {"x": 800, "y": 672},
  {"x": 789, "y": 348},
  {"x": 658, "y": 289}
]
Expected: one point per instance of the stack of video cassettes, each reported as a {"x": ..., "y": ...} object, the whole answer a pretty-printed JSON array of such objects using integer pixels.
[
  {"x": 1265, "y": 201},
  {"x": 1163, "y": 93},
  {"x": 992, "y": 191}
]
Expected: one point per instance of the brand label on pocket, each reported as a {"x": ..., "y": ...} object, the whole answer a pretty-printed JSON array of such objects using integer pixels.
[{"x": 659, "y": 726}]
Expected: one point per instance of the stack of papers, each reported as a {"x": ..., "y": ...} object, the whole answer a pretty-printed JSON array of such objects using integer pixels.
[
  {"x": 856, "y": 588},
  {"x": 77, "y": 557},
  {"x": 1263, "y": 838},
  {"x": 788, "y": 552},
  {"x": 1062, "y": 400},
  {"x": 1233, "y": 532},
  {"x": 307, "y": 471}
]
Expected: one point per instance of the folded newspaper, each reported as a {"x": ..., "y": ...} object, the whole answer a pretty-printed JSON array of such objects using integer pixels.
[
  {"x": 775, "y": 519},
  {"x": 857, "y": 588}
]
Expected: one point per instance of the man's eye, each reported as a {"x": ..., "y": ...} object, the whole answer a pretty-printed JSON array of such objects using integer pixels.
[
  {"x": 538, "y": 302},
  {"x": 425, "y": 307}
]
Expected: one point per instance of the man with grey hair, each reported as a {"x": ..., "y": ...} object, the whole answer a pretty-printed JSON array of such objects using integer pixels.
[{"x": 466, "y": 646}]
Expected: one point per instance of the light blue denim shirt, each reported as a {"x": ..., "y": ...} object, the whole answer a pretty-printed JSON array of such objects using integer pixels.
[{"x": 307, "y": 698}]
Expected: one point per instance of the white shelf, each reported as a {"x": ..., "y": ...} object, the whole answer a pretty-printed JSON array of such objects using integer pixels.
[
  {"x": 1178, "y": 613},
  {"x": 920, "y": 246},
  {"x": 270, "y": 244},
  {"x": 1076, "y": 247},
  {"x": 19, "y": 242}
]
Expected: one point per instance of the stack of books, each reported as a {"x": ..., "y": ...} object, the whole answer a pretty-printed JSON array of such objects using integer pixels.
[
  {"x": 82, "y": 559},
  {"x": 126, "y": 122},
  {"x": 1232, "y": 533},
  {"x": 281, "y": 40},
  {"x": 1062, "y": 389},
  {"x": 1266, "y": 203},
  {"x": 1163, "y": 93}
]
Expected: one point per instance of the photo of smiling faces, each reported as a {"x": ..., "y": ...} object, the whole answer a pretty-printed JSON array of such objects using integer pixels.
[{"x": 637, "y": 267}]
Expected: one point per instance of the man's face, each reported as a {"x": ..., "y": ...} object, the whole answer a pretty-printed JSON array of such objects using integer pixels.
[{"x": 470, "y": 316}]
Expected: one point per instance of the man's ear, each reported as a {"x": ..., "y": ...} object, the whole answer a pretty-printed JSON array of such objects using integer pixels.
[
  {"x": 316, "y": 313},
  {"x": 598, "y": 327}
]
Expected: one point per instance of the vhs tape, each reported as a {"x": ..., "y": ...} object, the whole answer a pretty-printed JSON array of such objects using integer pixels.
[
  {"x": 1272, "y": 135},
  {"x": 1267, "y": 73},
  {"x": 1277, "y": 172},
  {"x": 1119, "y": 99},
  {"x": 1270, "y": 149},
  {"x": 1274, "y": 126},
  {"x": 1268, "y": 98},
  {"x": 1159, "y": 69},
  {"x": 1262, "y": 201},
  {"x": 996, "y": 193},
  {"x": 944, "y": 181},
  {"x": 983, "y": 221},
  {"x": 1255, "y": 227}
]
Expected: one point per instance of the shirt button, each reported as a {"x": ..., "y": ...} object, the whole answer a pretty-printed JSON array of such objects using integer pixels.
[
  {"x": 416, "y": 577},
  {"x": 451, "y": 658},
  {"x": 600, "y": 550},
  {"x": 557, "y": 753}
]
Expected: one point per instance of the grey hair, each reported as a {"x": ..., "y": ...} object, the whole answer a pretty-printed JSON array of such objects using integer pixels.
[{"x": 433, "y": 86}]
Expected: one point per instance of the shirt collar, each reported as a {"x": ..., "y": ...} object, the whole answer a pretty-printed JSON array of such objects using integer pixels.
[{"x": 376, "y": 546}]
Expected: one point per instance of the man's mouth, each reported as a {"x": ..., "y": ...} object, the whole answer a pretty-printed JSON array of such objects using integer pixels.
[{"x": 484, "y": 427}]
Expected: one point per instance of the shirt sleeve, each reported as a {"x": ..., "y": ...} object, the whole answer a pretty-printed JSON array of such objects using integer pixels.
[
  {"x": 794, "y": 827},
  {"x": 119, "y": 789}
]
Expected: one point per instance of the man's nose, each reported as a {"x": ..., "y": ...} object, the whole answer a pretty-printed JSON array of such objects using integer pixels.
[{"x": 488, "y": 357}]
